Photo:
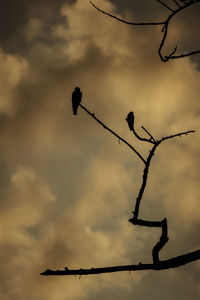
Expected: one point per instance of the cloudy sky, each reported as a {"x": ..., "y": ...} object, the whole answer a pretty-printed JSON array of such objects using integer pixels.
[{"x": 67, "y": 186}]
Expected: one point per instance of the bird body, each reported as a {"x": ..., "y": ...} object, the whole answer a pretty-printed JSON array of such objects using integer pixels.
[
  {"x": 76, "y": 99},
  {"x": 130, "y": 120}
]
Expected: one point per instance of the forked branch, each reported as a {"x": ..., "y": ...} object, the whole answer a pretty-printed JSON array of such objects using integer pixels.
[{"x": 165, "y": 24}]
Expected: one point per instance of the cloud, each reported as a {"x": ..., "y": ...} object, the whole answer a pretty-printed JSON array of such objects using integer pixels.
[
  {"x": 67, "y": 186},
  {"x": 13, "y": 70}
]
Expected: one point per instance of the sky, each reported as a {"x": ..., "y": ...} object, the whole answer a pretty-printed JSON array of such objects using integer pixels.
[{"x": 67, "y": 186}]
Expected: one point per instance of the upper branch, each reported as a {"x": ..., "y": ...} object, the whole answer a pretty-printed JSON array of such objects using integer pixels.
[
  {"x": 165, "y": 5},
  {"x": 126, "y": 22},
  {"x": 166, "y": 22}
]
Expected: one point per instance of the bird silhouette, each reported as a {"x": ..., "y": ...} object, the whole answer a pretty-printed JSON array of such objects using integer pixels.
[
  {"x": 76, "y": 99},
  {"x": 130, "y": 120}
]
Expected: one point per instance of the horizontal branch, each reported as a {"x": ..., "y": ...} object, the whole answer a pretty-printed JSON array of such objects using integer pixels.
[
  {"x": 114, "y": 133},
  {"x": 161, "y": 265},
  {"x": 145, "y": 223}
]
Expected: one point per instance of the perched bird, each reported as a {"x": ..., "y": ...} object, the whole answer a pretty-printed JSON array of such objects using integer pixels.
[
  {"x": 130, "y": 120},
  {"x": 76, "y": 99}
]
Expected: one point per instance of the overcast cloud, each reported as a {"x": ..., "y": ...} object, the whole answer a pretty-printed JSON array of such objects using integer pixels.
[{"x": 68, "y": 187}]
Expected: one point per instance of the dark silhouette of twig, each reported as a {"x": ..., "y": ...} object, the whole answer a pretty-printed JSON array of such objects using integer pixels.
[
  {"x": 165, "y": 5},
  {"x": 151, "y": 137},
  {"x": 165, "y": 23},
  {"x": 176, "y": 3}
]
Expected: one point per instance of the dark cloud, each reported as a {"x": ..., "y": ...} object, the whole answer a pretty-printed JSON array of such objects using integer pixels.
[{"x": 15, "y": 15}]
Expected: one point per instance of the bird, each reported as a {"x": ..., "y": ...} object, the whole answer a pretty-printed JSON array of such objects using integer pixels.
[
  {"x": 130, "y": 120},
  {"x": 76, "y": 99}
]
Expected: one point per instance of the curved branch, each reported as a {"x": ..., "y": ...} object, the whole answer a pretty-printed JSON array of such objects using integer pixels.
[
  {"x": 165, "y": 30},
  {"x": 165, "y": 58},
  {"x": 161, "y": 265},
  {"x": 131, "y": 124},
  {"x": 126, "y": 22}
]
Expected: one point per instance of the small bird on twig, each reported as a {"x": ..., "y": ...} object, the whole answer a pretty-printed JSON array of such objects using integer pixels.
[
  {"x": 76, "y": 99},
  {"x": 130, "y": 120}
]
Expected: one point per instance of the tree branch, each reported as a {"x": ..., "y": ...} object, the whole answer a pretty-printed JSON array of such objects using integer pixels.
[
  {"x": 161, "y": 265},
  {"x": 114, "y": 133},
  {"x": 166, "y": 22},
  {"x": 176, "y": 135},
  {"x": 151, "y": 137},
  {"x": 176, "y": 3},
  {"x": 144, "y": 180},
  {"x": 126, "y": 22},
  {"x": 157, "y": 263}
]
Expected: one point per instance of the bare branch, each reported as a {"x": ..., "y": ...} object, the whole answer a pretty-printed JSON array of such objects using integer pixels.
[
  {"x": 166, "y": 22},
  {"x": 114, "y": 133},
  {"x": 144, "y": 180},
  {"x": 176, "y": 3},
  {"x": 165, "y": 5},
  {"x": 147, "y": 165},
  {"x": 126, "y": 22},
  {"x": 181, "y": 55},
  {"x": 177, "y": 134},
  {"x": 161, "y": 265},
  {"x": 161, "y": 243}
]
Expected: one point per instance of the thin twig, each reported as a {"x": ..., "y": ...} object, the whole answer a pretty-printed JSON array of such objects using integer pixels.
[
  {"x": 176, "y": 3},
  {"x": 148, "y": 133},
  {"x": 177, "y": 134},
  {"x": 114, "y": 133},
  {"x": 165, "y": 5}
]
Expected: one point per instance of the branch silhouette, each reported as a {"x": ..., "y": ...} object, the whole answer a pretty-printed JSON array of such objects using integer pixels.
[
  {"x": 162, "y": 265},
  {"x": 180, "y": 7},
  {"x": 157, "y": 263}
]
